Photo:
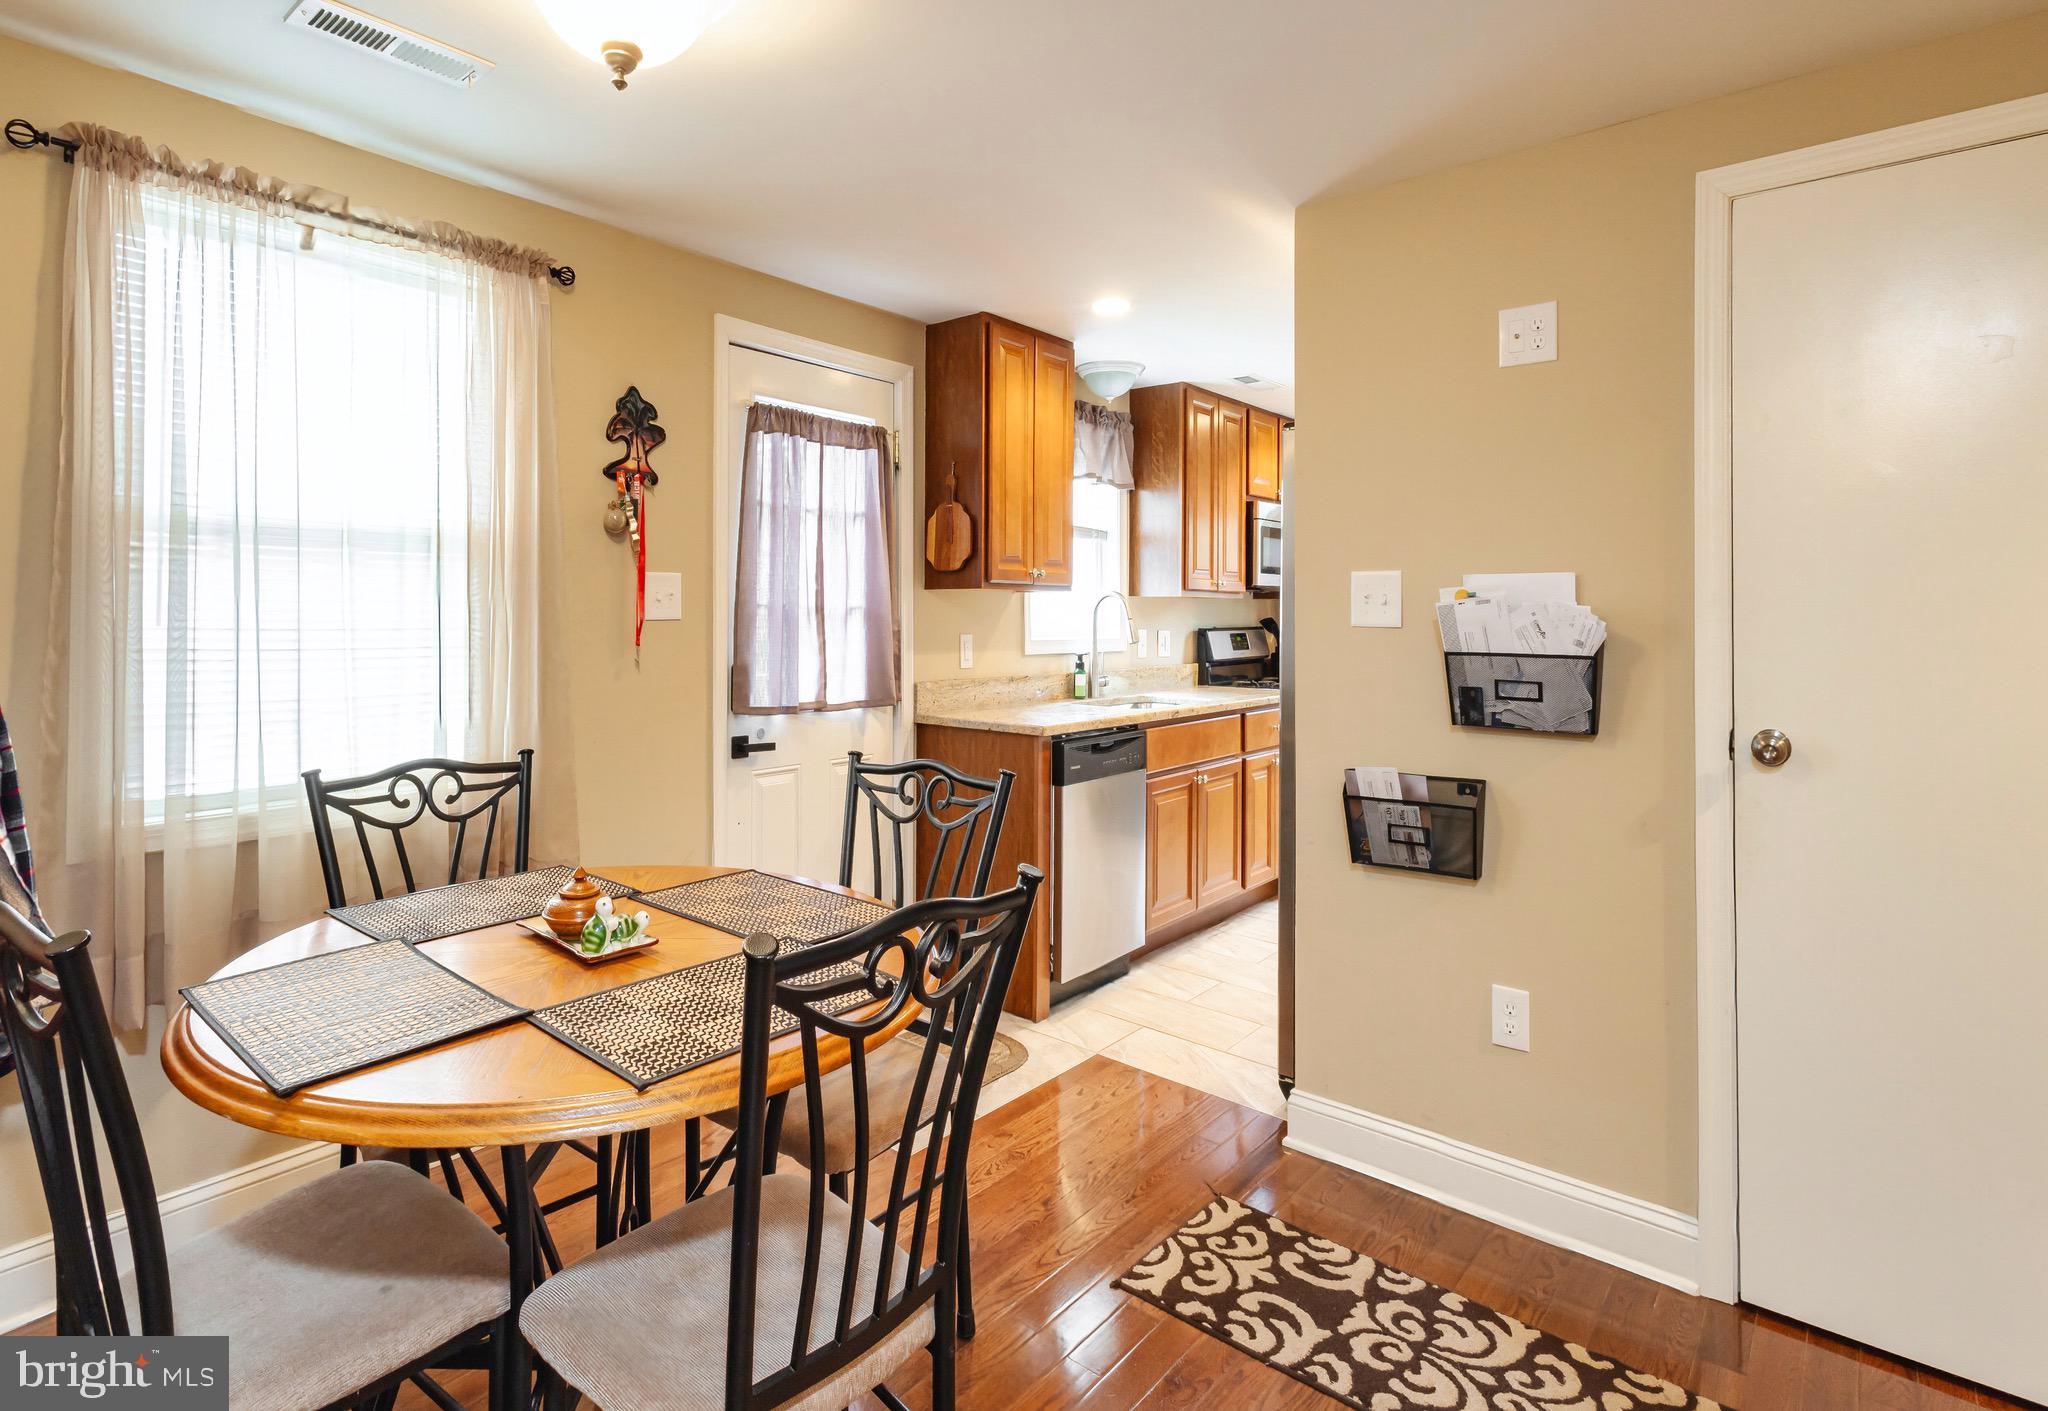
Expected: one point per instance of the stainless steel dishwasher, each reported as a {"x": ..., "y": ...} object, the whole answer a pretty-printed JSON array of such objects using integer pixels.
[{"x": 1098, "y": 792}]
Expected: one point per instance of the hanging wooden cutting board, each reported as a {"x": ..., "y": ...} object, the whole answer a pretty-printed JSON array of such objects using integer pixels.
[{"x": 949, "y": 533}]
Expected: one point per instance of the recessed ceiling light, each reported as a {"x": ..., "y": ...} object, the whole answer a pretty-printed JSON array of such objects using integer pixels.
[{"x": 1111, "y": 306}]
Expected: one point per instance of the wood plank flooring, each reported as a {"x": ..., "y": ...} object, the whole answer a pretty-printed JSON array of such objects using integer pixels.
[{"x": 1078, "y": 1177}]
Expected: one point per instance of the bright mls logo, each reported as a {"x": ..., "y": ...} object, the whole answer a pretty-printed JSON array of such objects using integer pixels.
[{"x": 162, "y": 1374}]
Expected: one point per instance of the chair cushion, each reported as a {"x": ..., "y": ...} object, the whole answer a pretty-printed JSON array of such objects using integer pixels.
[
  {"x": 642, "y": 1322},
  {"x": 892, "y": 1073},
  {"x": 338, "y": 1283}
]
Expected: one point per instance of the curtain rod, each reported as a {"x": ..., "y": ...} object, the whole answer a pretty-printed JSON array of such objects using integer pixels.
[{"x": 23, "y": 134}]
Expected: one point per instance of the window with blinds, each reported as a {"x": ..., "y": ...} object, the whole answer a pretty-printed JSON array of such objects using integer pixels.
[{"x": 298, "y": 410}]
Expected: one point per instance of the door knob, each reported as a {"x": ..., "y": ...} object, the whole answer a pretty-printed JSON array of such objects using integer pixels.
[
  {"x": 1770, "y": 747},
  {"x": 742, "y": 746}
]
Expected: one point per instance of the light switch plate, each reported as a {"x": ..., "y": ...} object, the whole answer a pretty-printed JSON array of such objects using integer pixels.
[
  {"x": 1144, "y": 643},
  {"x": 664, "y": 597},
  {"x": 966, "y": 649},
  {"x": 1528, "y": 334},
  {"x": 1376, "y": 598},
  {"x": 1165, "y": 642}
]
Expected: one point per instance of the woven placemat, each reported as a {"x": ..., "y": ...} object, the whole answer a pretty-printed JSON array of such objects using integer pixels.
[
  {"x": 667, "y": 1024},
  {"x": 466, "y": 906},
  {"x": 318, "y": 1018},
  {"x": 741, "y": 903}
]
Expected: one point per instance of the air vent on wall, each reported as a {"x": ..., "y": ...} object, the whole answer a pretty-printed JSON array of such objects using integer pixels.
[
  {"x": 1252, "y": 379},
  {"x": 365, "y": 32}
]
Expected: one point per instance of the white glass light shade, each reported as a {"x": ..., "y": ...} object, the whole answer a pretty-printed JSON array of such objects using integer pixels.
[
  {"x": 659, "y": 29},
  {"x": 1110, "y": 380}
]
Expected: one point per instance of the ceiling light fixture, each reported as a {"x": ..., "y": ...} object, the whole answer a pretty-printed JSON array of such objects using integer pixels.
[
  {"x": 1111, "y": 306},
  {"x": 629, "y": 35},
  {"x": 1110, "y": 380}
]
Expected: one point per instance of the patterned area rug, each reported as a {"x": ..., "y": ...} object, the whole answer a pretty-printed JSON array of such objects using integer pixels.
[{"x": 1369, "y": 1335}]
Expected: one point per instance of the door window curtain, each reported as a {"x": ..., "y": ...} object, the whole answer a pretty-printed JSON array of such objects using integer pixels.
[
  {"x": 1105, "y": 443},
  {"x": 305, "y": 519},
  {"x": 814, "y": 593}
]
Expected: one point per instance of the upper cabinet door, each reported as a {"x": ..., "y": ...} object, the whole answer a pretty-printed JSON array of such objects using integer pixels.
[
  {"x": 1200, "y": 483},
  {"x": 1230, "y": 502},
  {"x": 1262, "y": 456},
  {"x": 1008, "y": 530},
  {"x": 1052, "y": 509}
]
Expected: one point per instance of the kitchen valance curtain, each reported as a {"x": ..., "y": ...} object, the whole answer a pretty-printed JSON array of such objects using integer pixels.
[
  {"x": 814, "y": 593},
  {"x": 1104, "y": 445}
]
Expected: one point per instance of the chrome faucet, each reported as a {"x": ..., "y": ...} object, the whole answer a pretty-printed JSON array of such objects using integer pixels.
[{"x": 1097, "y": 677}]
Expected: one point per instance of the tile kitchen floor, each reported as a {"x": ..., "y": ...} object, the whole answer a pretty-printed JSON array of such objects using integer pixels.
[{"x": 1203, "y": 1011}]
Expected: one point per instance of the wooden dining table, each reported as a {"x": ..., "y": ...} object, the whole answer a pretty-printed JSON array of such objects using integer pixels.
[{"x": 508, "y": 1087}]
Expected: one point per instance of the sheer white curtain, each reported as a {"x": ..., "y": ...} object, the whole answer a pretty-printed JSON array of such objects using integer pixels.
[
  {"x": 814, "y": 602},
  {"x": 302, "y": 499}
]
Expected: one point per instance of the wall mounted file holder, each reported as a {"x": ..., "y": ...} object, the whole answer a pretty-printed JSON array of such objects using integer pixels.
[
  {"x": 1444, "y": 835},
  {"x": 1530, "y": 692}
]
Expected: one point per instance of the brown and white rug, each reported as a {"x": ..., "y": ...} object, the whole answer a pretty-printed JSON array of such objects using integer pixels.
[{"x": 1369, "y": 1335}]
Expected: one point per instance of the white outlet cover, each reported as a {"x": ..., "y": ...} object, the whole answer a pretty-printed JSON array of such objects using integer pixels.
[
  {"x": 1511, "y": 1018},
  {"x": 1144, "y": 644},
  {"x": 966, "y": 649},
  {"x": 664, "y": 597},
  {"x": 1376, "y": 598},
  {"x": 1166, "y": 641},
  {"x": 1528, "y": 334}
]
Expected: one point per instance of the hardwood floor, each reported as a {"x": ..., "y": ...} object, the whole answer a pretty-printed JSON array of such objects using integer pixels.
[{"x": 1078, "y": 1177}]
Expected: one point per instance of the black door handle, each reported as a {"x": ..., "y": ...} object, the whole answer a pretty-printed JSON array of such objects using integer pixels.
[{"x": 742, "y": 746}]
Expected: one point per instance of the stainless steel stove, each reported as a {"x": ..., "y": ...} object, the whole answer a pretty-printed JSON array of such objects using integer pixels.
[{"x": 1239, "y": 656}]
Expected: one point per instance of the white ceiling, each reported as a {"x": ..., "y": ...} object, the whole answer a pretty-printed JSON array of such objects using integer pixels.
[{"x": 935, "y": 157}]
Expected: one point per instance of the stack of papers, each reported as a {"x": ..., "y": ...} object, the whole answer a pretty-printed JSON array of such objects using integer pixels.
[
  {"x": 1515, "y": 617},
  {"x": 1396, "y": 833}
]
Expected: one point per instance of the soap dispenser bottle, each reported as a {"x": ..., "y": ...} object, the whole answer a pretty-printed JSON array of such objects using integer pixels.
[{"x": 1080, "y": 677}]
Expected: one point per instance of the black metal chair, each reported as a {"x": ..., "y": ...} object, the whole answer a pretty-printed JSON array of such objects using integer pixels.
[
  {"x": 913, "y": 796},
  {"x": 774, "y": 1290},
  {"x": 895, "y": 802},
  {"x": 331, "y": 1295},
  {"x": 382, "y": 808}
]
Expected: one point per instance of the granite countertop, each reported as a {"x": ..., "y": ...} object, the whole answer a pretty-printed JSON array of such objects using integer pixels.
[{"x": 1068, "y": 717}]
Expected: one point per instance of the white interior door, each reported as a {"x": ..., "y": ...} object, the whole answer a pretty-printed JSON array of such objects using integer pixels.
[
  {"x": 783, "y": 807},
  {"x": 1891, "y": 499}
]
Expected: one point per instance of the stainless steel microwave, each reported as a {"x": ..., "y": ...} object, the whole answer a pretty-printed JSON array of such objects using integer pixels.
[{"x": 1264, "y": 540}]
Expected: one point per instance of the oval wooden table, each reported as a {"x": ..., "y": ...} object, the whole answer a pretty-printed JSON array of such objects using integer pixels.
[{"x": 506, "y": 1087}]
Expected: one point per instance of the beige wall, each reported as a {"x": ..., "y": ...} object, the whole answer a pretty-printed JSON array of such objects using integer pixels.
[
  {"x": 1426, "y": 457},
  {"x": 640, "y": 313}
]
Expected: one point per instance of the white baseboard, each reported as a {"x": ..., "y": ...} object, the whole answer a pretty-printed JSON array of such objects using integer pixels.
[
  {"x": 28, "y": 1271},
  {"x": 1619, "y": 1229}
]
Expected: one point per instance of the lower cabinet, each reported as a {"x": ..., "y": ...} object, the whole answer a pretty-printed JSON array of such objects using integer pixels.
[
  {"x": 1172, "y": 835},
  {"x": 1219, "y": 822},
  {"x": 1261, "y": 818}
]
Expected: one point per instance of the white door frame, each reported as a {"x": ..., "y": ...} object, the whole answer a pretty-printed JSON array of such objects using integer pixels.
[
  {"x": 727, "y": 331},
  {"x": 1713, "y": 608}
]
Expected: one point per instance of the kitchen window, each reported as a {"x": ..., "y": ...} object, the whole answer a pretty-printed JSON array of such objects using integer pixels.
[{"x": 1057, "y": 621}]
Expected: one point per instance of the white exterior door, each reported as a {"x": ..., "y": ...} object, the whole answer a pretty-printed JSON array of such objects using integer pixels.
[
  {"x": 1890, "y": 439},
  {"x": 783, "y": 807}
]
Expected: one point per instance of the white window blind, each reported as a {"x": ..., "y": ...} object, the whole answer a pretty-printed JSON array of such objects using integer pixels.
[{"x": 302, "y": 422}]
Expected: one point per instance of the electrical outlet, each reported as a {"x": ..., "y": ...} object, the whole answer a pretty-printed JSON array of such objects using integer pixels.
[
  {"x": 1528, "y": 334},
  {"x": 664, "y": 597},
  {"x": 1165, "y": 642},
  {"x": 1511, "y": 1018},
  {"x": 1376, "y": 599},
  {"x": 966, "y": 650},
  {"x": 1144, "y": 643}
]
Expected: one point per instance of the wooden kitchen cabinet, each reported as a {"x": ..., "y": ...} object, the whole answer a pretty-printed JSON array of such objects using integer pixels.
[
  {"x": 1172, "y": 847},
  {"x": 1262, "y": 455},
  {"x": 999, "y": 412},
  {"x": 1219, "y": 827},
  {"x": 1196, "y": 454},
  {"x": 1261, "y": 818}
]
